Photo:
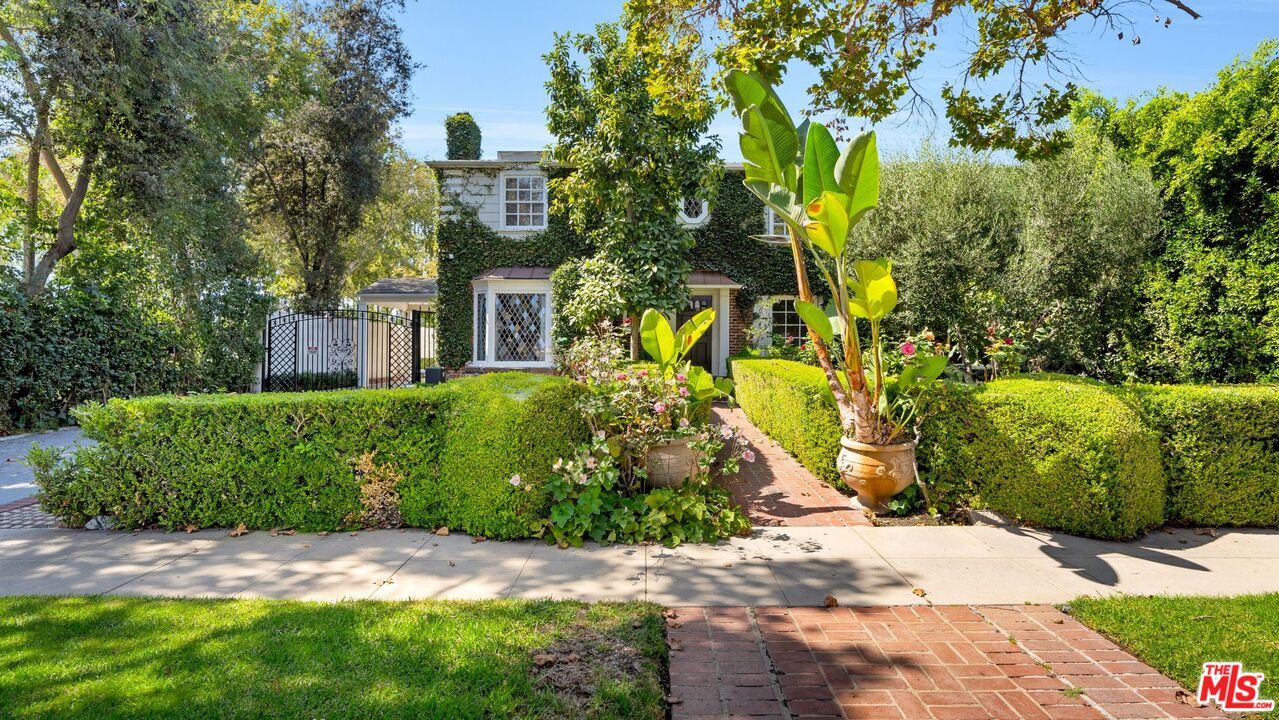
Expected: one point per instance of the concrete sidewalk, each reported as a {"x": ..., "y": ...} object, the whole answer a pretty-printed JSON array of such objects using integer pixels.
[{"x": 773, "y": 567}]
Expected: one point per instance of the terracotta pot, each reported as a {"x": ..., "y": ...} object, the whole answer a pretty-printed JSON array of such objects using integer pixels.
[
  {"x": 669, "y": 463},
  {"x": 876, "y": 472}
]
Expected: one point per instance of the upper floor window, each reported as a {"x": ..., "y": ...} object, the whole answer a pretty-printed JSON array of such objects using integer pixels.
[
  {"x": 774, "y": 225},
  {"x": 693, "y": 211},
  {"x": 523, "y": 201}
]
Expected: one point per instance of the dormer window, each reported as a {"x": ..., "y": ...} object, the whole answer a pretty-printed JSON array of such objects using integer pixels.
[
  {"x": 523, "y": 201},
  {"x": 694, "y": 212}
]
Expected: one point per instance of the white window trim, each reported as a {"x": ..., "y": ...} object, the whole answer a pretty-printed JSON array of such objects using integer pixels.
[
  {"x": 701, "y": 220},
  {"x": 490, "y": 288},
  {"x": 501, "y": 196},
  {"x": 776, "y": 299},
  {"x": 769, "y": 214}
]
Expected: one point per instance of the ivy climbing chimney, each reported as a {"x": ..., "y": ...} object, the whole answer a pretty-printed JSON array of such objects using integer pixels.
[{"x": 463, "y": 137}]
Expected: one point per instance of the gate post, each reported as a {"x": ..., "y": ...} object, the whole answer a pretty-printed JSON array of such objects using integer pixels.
[
  {"x": 416, "y": 345},
  {"x": 362, "y": 345}
]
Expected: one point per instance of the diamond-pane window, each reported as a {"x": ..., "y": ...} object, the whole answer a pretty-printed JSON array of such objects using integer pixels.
[{"x": 517, "y": 327}]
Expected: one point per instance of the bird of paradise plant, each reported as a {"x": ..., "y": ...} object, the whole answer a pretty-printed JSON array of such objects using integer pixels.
[{"x": 822, "y": 193}]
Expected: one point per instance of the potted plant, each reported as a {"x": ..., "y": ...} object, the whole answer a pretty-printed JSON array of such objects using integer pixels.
[
  {"x": 822, "y": 193},
  {"x": 673, "y": 459}
]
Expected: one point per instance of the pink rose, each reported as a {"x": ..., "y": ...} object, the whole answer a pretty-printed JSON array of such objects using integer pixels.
[
  {"x": 659, "y": 407},
  {"x": 626, "y": 321},
  {"x": 908, "y": 348},
  {"x": 681, "y": 377}
]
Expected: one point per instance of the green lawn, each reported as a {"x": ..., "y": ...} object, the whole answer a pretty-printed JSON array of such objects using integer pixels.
[
  {"x": 112, "y": 657},
  {"x": 1177, "y": 635}
]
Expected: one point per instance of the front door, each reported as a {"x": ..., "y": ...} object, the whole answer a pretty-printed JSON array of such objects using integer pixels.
[{"x": 700, "y": 355}]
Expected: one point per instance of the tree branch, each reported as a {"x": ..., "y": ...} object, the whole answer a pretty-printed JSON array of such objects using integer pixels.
[{"x": 1184, "y": 8}]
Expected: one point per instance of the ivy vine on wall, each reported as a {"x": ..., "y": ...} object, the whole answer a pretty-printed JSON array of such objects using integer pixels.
[{"x": 468, "y": 247}]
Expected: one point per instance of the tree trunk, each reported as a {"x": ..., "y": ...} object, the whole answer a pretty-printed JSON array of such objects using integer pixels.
[
  {"x": 848, "y": 416},
  {"x": 635, "y": 338},
  {"x": 64, "y": 244}
]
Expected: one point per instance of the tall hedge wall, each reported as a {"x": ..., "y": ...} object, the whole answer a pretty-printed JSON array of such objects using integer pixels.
[
  {"x": 1221, "y": 451},
  {"x": 1053, "y": 451},
  {"x": 288, "y": 459},
  {"x": 469, "y": 247}
]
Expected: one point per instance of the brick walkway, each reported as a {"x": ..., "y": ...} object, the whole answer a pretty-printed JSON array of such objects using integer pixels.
[
  {"x": 911, "y": 663},
  {"x": 776, "y": 490}
]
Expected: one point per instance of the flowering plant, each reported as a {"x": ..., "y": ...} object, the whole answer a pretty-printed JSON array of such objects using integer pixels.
[{"x": 592, "y": 499}]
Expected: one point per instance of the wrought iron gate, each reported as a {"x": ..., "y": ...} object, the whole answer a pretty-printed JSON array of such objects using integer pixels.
[{"x": 334, "y": 349}]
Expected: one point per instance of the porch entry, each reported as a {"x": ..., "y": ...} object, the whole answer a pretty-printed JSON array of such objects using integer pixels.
[{"x": 700, "y": 355}]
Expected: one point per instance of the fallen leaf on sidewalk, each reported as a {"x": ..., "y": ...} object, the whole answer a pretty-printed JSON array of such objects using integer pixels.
[
  {"x": 478, "y": 538},
  {"x": 238, "y": 531},
  {"x": 830, "y": 601},
  {"x": 1210, "y": 532},
  {"x": 1184, "y": 697},
  {"x": 190, "y": 529},
  {"x": 674, "y": 699},
  {"x": 674, "y": 645},
  {"x": 920, "y": 592},
  {"x": 452, "y": 564},
  {"x": 670, "y": 613},
  {"x": 442, "y": 531}
]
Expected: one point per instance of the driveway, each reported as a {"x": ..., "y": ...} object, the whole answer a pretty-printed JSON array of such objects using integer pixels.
[{"x": 16, "y": 480}]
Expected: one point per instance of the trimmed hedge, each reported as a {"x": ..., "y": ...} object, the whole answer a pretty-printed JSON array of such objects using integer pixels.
[
  {"x": 1221, "y": 451},
  {"x": 786, "y": 402},
  {"x": 287, "y": 459},
  {"x": 1053, "y": 451}
]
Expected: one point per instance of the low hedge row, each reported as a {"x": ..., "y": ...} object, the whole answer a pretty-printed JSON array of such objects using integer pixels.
[
  {"x": 289, "y": 459},
  {"x": 1057, "y": 452},
  {"x": 1054, "y": 451},
  {"x": 1221, "y": 451}
]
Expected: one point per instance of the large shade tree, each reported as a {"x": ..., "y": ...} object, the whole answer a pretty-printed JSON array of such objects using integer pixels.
[
  {"x": 637, "y": 149},
  {"x": 1012, "y": 89},
  {"x": 321, "y": 162},
  {"x": 101, "y": 96}
]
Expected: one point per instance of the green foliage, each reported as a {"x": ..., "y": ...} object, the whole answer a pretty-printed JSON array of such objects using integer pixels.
[
  {"x": 1220, "y": 449},
  {"x": 1059, "y": 247},
  {"x": 462, "y": 137},
  {"x": 320, "y": 163},
  {"x": 588, "y": 501},
  {"x": 468, "y": 247},
  {"x": 788, "y": 402},
  {"x": 396, "y": 234},
  {"x": 289, "y": 459},
  {"x": 1214, "y": 296},
  {"x": 1059, "y": 452},
  {"x": 1053, "y": 451},
  {"x": 867, "y": 56},
  {"x": 605, "y": 115}
]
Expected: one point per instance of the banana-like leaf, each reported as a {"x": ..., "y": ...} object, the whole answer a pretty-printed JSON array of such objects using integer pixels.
[
  {"x": 769, "y": 140},
  {"x": 724, "y": 386},
  {"x": 874, "y": 292},
  {"x": 657, "y": 337},
  {"x": 857, "y": 173},
  {"x": 816, "y": 320},
  {"x": 828, "y": 229},
  {"x": 930, "y": 368},
  {"x": 820, "y": 157},
  {"x": 781, "y": 201},
  {"x": 689, "y": 333}
]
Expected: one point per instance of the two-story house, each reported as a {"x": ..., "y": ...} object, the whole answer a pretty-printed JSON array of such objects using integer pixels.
[{"x": 499, "y": 245}]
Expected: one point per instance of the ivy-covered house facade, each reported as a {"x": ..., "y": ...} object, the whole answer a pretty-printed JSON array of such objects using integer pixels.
[{"x": 499, "y": 245}]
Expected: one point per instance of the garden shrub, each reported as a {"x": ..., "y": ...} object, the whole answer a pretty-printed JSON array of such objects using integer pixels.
[
  {"x": 1221, "y": 450},
  {"x": 291, "y": 459},
  {"x": 787, "y": 401},
  {"x": 1059, "y": 452},
  {"x": 1055, "y": 451}
]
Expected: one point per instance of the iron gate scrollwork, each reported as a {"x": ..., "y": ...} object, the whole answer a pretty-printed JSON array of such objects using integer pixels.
[{"x": 335, "y": 349}]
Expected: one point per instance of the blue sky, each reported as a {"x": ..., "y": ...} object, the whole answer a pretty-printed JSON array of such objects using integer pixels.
[{"x": 485, "y": 56}]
